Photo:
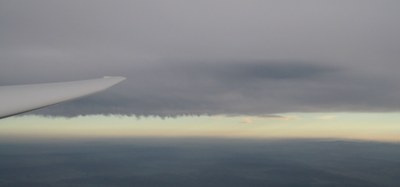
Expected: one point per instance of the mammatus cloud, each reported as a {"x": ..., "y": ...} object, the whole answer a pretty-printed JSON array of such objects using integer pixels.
[{"x": 208, "y": 57}]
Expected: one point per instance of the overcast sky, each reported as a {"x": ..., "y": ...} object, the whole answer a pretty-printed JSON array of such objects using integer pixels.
[{"x": 229, "y": 57}]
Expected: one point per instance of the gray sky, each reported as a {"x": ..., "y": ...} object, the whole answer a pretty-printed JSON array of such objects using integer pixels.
[{"x": 210, "y": 56}]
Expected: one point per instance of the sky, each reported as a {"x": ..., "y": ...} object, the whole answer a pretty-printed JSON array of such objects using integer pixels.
[
  {"x": 352, "y": 127},
  {"x": 286, "y": 67}
]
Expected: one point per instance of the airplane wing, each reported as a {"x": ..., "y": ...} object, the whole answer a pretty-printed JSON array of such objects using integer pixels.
[{"x": 24, "y": 98}]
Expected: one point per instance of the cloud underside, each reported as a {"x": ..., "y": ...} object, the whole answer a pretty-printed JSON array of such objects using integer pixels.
[
  {"x": 241, "y": 88},
  {"x": 208, "y": 57}
]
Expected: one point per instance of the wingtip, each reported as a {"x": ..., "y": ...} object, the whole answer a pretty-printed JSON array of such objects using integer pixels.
[{"x": 116, "y": 78}]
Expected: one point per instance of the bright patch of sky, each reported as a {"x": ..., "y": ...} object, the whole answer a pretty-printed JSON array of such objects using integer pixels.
[{"x": 365, "y": 126}]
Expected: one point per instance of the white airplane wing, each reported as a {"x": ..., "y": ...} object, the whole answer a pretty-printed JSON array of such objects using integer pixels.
[{"x": 23, "y": 98}]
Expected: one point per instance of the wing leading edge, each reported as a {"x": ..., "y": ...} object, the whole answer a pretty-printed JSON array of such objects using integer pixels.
[{"x": 24, "y": 98}]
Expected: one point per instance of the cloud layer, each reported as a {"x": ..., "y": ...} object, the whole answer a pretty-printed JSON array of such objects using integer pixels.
[{"x": 208, "y": 57}]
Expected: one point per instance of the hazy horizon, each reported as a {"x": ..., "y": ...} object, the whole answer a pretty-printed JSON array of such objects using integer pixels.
[{"x": 369, "y": 127}]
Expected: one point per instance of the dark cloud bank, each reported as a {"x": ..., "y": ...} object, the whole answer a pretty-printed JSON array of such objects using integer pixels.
[
  {"x": 200, "y": 162},
  {"x": 208, "y": 57}
]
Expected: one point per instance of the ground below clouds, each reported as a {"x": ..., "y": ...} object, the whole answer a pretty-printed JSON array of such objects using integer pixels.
[{"x": 199, "y": 162}]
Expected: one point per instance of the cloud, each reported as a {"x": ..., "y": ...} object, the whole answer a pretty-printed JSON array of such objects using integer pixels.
[
  {"x": 247, "y": 120},
  {"x": 208, "y": 57},
  {"x": 327, "y": 117},
  {"x": 177, "y": 89}
]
